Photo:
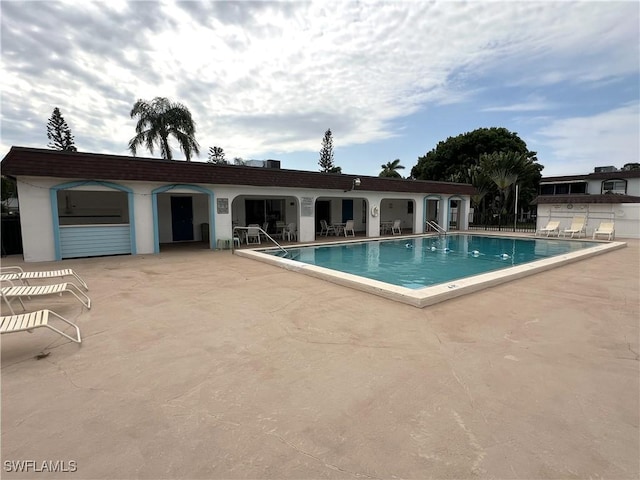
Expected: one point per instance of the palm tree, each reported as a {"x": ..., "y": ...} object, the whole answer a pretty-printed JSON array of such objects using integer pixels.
[
  {"x": 390, "y": 170},
  {"x": 503, "y": 180},
  {"x": 157, "y": 120}
]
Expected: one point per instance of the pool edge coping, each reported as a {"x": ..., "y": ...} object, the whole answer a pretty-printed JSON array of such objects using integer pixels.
[{"x": 431, "y": 295}]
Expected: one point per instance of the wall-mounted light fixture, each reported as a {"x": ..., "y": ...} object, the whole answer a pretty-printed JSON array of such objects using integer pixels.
[{"x": 355, "y": 183}]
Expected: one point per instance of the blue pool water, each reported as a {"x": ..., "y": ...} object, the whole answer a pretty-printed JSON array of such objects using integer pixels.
[{"x": 420, "y": 262}]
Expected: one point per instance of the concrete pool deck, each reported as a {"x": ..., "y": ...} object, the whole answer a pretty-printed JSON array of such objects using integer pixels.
[{"x": 200, "y": 364}]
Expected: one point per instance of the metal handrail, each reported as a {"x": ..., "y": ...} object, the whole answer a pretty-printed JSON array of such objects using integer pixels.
[
  {"x": 436, "y": 227},
  {"x": 261, "y": 231}
]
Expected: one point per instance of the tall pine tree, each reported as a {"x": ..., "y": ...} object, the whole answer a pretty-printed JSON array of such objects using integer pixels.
[
  {"x": 59, "y": 133},
  {"x": 216, "y": 155},
  {"x": 326, "y": 155}
]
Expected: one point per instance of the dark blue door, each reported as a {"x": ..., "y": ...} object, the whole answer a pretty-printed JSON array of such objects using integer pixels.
[
  {"x": 347, "y": 210},
  {"x": 181, "y": 218}
]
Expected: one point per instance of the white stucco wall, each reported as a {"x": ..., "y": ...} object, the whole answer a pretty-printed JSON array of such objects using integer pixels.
[
  {"x": 625, "y": 215},
  {"x": 37, "y": 220}
]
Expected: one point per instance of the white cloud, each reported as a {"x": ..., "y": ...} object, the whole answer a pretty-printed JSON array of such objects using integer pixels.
[
  {"x": 271, "y": 77},
  {"x": 532, "y": 104},
  {"x": 579, "y": 143}
]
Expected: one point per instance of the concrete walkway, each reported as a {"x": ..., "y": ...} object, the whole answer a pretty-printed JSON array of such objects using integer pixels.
[{"x": 200, "y": 364}]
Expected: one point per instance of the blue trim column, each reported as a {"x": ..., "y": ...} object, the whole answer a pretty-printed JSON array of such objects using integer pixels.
[{"x": 56, "y": 223}]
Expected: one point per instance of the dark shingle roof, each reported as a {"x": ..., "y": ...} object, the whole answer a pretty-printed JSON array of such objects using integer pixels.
[
  {"x": 93, "y": 166},
  {"x": 585, "y": 198}
]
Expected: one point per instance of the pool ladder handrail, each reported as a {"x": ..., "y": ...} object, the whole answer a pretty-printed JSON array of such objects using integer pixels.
[
  {"x": 436, "y": 227},
  {"x": 233, "y": 243}
]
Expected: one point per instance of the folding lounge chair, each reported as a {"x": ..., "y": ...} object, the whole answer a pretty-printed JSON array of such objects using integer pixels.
[
  {"x": 577, "y": 227},
  {"x": 29, "y": 321},
  {"x": 20, "y": 291},
  {"x": 606, "y": 228},
  {"x": 552, "y": 227},
  {"x": 17, "y": 273},
  {"x": 395, "y": 229}
]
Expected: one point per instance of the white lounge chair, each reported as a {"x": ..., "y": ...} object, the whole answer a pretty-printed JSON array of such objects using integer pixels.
[
  {"x": 552, "y": 227},
  {"x": 17, "y": 273},
  {"x": 21, "y": 291},
  {"x": 396, "y": 229},
  {"x": 577, "y": 227},
  {"x": 29, "y": 321},
  {"x": 606, "y": 228},
  {"x": 348, "y": 227}
]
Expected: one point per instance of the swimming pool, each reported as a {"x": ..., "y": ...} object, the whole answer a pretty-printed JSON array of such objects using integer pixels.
[
  {"x": 421, "y": 262},
  {"x": 428, "y": 269}
]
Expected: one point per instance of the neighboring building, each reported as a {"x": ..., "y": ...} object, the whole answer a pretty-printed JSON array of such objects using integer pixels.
[
  {"x": 84, "y": 204},
  {"x": 607, "y": 194}
]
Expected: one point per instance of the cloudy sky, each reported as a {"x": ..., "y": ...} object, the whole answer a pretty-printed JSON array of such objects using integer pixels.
[{"x": 391, "y": 79}]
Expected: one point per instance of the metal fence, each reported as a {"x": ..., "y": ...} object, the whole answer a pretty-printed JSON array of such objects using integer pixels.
[{"x": 502, "y": 223}]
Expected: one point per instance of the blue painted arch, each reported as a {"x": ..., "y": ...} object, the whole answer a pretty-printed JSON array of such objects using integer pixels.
[
  {"x": 183, "y": 186},
  {"x": 461, "y": 211},
  {"x": 53, "y": 192},
  {"x": 424, "y": 206}
]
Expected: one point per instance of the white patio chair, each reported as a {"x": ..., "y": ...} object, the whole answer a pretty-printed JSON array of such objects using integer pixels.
[
  {"x": 253, "y": 234},
  {"x": 280, "y": 228},
  {"x": 265, "y": 227},
  {"x": 396, "y": 228},
  {"x": 348, "y": 227},
  {"x": 30, "y": 321},
  {"x": 325, "y": 228},
  {"x": 15, "y": 273},
  {"x": 290, "y": 232}
]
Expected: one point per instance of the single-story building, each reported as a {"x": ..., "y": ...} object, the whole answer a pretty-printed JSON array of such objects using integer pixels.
[
  {"x": 606, "y": 195},
  {"x": 75, "y": 204}
]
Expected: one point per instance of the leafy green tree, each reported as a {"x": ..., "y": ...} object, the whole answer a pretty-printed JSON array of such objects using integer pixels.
[
  {"x": 631, "y": 166},
  {"x": 216, "y": 155},
  {"x": 157, "y": 120},
  {"x": 526, "y": 172},
  {"x": 59, "y": 133},
  {"x": 454, "y": 157},
  {"x": 390, "y": 169},
  {"x": 476, "y": 157},
  {"x": 238, "y": 161},
  {"x": 326, "y": 154}
]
